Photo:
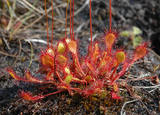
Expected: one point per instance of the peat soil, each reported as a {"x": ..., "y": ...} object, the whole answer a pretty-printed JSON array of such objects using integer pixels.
[{"x": 22, "y": 52}]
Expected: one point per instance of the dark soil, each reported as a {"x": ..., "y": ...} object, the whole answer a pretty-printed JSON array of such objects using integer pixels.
[{"x": 16, "y": 53}]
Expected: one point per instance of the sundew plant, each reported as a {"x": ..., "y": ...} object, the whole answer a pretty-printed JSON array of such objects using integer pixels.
[{"x": 98, "y": 72}]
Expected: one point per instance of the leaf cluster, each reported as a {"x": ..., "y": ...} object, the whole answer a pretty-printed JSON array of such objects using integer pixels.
[{"x": 92, "y": 74}]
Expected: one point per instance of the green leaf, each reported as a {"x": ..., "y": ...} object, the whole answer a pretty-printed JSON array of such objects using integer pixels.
[
  {"x": 61, "y": 48},
  {"x": 136, "y": 31},
  {"x": 120, "y": 56},
  {"x": 125, "y": 33},
  {"x": 137, "y": 41},
  {"x": 68, "y": 79}
]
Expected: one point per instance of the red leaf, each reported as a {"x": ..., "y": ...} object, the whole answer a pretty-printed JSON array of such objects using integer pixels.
[
  {"x": 13, "y": 74},
  {"x": 140, "y": 52},
  {"x": 115, "y": 96},
  {"x": 28, "y": 96},
  {"x": 110, "y": 39},
  {"x": 72, "y": 46},
  {"x": 30, "y": 78},
  {"x": 47, "y": 60}
]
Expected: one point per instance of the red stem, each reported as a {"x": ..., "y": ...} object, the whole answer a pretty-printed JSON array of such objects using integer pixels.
[
  {"x": 110, "y": 16},
  {"x": 52, "y": 24},
  {"x": 59, "y": 77},
  {"x": 125, "y": 67},
  {"x": 114, "y": 71},
  {"x": 54, "y": 92},
  {"x": 66, "y": 22},
  {"x": 90, "y": 13},
  {"x": 71, "y": 19},
  {"x": 47, "y": 24},
  {"x": 78, "y": 64}
]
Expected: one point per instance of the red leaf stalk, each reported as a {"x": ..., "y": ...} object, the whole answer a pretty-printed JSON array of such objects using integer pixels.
[
  {"x": 90, "y": 13},
  {"x": 110, "y": 15},
  {"x": 47, "y": 23}
]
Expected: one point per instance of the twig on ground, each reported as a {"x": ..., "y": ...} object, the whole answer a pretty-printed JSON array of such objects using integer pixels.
[
  {"x": 19, "y": 52},
  {"x": 5, "y": 41},
  {"x": 6, "y": 54},
  {"x": 147, "y": 87},
  {"x": 128, "y": 102},
  {"x": 37, "y": 40},
  {"x": 81, "y": 8}
]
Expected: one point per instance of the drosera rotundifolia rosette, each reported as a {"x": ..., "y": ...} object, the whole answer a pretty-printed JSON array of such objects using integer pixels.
[{"x": 92, "y": 74}]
